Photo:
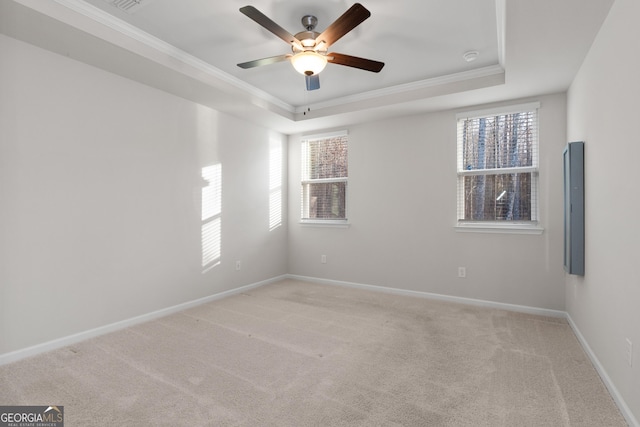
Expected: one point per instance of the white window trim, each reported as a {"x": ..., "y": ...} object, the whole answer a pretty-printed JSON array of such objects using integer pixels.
[
  {"x": 317, "y": 136},
  {"x": 532, "y": 227},
  {"x": 324, "y": 180},
  {"x": 499, "y": 171},
  {"x": 330, "y": 223},
  {"x": 335, "y": 223},
  {"x": 507, "y": 109},
  {"x": 517, "y": 227}
]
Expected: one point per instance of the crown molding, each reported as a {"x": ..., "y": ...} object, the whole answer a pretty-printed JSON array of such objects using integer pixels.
[
  {"x": 96, "y": 21},
  {"x": 101, "y": 17},
  {"x": 408, "y": 88}
]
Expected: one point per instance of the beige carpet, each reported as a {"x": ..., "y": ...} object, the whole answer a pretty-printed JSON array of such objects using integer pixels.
[{"x": 300, "y": 354}]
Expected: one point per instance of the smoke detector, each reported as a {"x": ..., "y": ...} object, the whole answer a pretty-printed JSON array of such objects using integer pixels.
[{"x": 471, "y": 55}]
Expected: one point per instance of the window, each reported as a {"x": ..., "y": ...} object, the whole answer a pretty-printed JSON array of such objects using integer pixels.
[
  {"x": 498, "y": 168},
  {"x": 324, "y": 178}
]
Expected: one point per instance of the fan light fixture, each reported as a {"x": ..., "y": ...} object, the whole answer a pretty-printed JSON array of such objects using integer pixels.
[{"x": 309, "y": 62}]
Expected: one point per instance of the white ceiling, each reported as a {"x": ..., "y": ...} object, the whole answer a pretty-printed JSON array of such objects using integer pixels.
[
  {"x": 425, "y": 43},
  {"x": 191, "y": 48}
]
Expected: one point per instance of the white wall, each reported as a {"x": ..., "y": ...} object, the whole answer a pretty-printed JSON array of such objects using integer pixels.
[
  {"x": 402, "y": 209},
  {"x": 100, "y": 198},
  {"x": 603, "y": 112},
  {"x": 100, "y": 204}
]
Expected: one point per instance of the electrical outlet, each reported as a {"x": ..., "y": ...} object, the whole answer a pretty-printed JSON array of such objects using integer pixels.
[
  {"x": 462, "y": 272},
  {"x": 238, "y": 265},
  {"x": 323, "y": 259},
  {"x": 629, "y": 352}
]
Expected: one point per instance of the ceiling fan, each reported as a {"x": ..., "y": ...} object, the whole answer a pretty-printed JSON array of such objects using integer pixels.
[{"x": 310, "y": 48}]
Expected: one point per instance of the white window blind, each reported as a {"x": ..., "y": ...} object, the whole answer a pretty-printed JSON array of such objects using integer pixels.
[
  {"x": 324, "y": 177},
  {"x": 498, "y": 165}
]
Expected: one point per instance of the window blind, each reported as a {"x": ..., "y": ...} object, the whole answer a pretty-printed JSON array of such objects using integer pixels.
[
  {"x": 498, "y": 165},
  {"x": 324, "y": 177}
]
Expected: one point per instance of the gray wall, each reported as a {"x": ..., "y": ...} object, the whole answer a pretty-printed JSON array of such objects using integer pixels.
[
  {"x": 603, "y": 112},
  {"x": 402, "y": 209},
  {"x": 100, "y": 196}
]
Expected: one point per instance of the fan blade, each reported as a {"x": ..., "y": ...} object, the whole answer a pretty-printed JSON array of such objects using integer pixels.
[
  {"x": 355, "y": 62},
  {"x": 341, "y": 26},
  {"x": 268, "y": 24},
  {"x": 313, "y": 82},
  {"x": 264, "y": 61}
]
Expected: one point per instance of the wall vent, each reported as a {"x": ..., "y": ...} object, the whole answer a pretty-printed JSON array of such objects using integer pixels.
[{"x": 129, "y": 6}]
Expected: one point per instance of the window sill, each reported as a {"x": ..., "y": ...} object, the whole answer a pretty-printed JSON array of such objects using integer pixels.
[
  {"x": 492, "y": 227},
  {"x": 333, "y": 223}
]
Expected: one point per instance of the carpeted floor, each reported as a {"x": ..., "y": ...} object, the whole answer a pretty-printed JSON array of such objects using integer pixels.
[{"x": 300, "y": 354}]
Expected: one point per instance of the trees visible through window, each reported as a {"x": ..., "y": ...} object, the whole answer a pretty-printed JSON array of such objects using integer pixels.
[
  {"x": 324, "y": 177},
  {"x": 498, "y": 166}
]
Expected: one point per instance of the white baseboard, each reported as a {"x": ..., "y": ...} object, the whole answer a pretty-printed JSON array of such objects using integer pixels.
[
  {"x": 72, "y": 339},
  {"x": 615, "y": 394},
  {"x": 439, "y": 297}
]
